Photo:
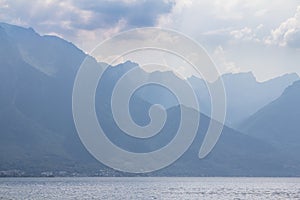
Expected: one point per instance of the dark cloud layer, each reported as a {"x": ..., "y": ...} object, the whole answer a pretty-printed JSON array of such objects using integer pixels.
[
  {"x": 72, "y": 15},
  {"x": 136, "y": 14}
]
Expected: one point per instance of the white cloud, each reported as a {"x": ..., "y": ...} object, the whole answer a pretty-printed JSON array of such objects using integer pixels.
[
  {"x": 3, "y": 4},
  {"x": 195, "y": 17},
  {"x": 222, "y": 62},
  {"x": 234, "y": 33},
  {"x": 245, "y": 33},
  {"x": 248, "y": 34},
  {"x": 288, "y": 33}
]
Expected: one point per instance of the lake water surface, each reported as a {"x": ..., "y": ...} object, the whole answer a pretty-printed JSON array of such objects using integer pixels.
[{"x": 149, "y": 188}]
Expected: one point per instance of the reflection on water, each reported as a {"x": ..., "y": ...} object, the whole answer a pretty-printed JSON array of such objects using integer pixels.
[{"x": 150, "y": 188}]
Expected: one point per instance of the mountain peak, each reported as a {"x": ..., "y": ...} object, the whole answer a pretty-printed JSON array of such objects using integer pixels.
[
  {"x": 16, "y": 30},
  {"x": 240, "y": 76},
  {"x": 44, "y": 53},
  {"x": 295, "y": 87}
]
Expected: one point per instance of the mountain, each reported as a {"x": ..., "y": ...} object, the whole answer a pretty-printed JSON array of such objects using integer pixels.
[
  {"x": 35, "y": 106},
  {"x": 245, "y": 95},
  {"x": 38, "y": 135},
  {"x": 278, "y": 122}
]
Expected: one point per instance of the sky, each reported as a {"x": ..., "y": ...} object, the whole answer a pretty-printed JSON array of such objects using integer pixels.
[{"x": 240, "y": 35}]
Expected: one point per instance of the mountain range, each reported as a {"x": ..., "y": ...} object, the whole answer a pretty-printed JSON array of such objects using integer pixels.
[
  {"x": 38, "y": 135},
  {"x": 244, "y": 94},
  {"x": 278, "y": 122}
]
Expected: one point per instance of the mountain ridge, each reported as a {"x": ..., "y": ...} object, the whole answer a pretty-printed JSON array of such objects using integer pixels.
[
  {"x": 37, "y": 132},
  {"x": 277, "y": 122}
]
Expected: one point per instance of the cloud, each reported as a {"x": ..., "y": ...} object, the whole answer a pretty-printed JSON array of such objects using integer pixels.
[
  {"x": 288, "y": 33},
  {"x": 249, "y": 35},
  {"x": 73, "y": 19},
  {"x": 48, "y": 15},
  {"x": 234, "y": 33},
  {"x": 293, "y": 38},
  {"x": 135, "y": 13},
  {"x": 3, "y": 4},
  {"x": 195, "y": 17},
  {"x": 222, "y": 62},
  {"x": 245, "y": 33},
  {"x": 85, "y": 14}
]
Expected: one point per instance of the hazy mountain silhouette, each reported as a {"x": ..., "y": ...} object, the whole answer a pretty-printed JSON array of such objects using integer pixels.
[
  {"x": 245, "y": 95},
  {"x": 278, "y": 123},
  {"x": 37, "y": 131}
]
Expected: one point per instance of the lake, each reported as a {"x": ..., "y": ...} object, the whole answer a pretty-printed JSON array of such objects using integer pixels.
[{"x": 149, "y": 188}]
